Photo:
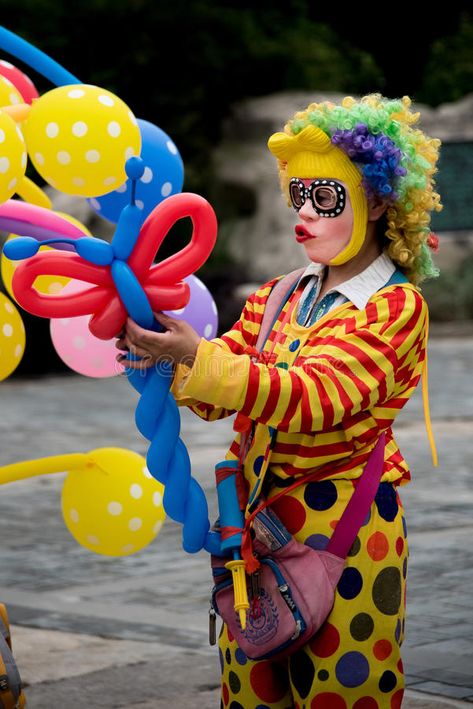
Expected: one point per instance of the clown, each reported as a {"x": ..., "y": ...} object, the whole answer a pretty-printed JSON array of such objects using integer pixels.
[{"x": 343, "y": 356}]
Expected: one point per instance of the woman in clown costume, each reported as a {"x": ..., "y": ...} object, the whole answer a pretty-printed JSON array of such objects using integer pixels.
[{"x": 343, "y": 357}]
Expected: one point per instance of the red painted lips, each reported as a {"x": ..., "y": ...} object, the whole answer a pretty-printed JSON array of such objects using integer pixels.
[{"x": 302, "y": 234}]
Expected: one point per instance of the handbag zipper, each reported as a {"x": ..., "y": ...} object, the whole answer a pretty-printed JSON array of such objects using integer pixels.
[
  {"x": 274, "y": 530},
  {"x": 216, "y": 588},
  {"x": 213, "y": 610},
  {"x": 212, "y": 625},
  {"x": 285, "y": 591}
]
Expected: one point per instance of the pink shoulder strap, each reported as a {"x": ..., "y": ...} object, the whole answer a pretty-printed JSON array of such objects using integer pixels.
[
  {"x": 275, "y": 302},
  {"x": 367, "y": 485},
  {"x": 360, "y": 502}
]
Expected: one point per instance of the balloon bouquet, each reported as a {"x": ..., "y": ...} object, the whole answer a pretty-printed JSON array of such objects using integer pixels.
[{"x": 83, "y": 140}]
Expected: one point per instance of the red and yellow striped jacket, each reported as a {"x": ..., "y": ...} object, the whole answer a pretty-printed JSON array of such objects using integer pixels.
[{"x": 328, "y": 389}]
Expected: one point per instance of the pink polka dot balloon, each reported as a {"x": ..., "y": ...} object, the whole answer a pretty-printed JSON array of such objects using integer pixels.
[
  {"x": 78, "y": 348},
  {"x": 201, "y": 310}
]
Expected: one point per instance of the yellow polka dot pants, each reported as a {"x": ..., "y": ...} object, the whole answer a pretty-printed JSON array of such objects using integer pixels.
[{"x": 354, "y": 660}]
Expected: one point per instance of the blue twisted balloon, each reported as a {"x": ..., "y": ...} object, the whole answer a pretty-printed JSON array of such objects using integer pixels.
[
  {"x": 35, "y": 58},
  {"x": 157, "y": 416}
]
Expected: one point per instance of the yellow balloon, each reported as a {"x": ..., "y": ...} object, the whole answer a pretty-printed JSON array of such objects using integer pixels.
[
  {"x": 9, "y": 95},
  {"x": 113, "y": 506},
  {"x": 12, "y": 337},
  {"x": 13, "y": 156},
  {"x": 43, "y": 284},
  {"x": 79, "y": 138},
  {"x": 30, "y": 192}
]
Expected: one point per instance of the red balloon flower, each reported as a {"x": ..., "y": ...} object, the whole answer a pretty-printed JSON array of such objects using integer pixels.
[{"x": 162, "y": 282}]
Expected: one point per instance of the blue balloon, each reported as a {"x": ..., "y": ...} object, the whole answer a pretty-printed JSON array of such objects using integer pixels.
[
  {"x": 20, "y": 248},
  {"x": 157, "y": 418},
  {"x": 35, "y": 58},
  {"x": 163, "y": 176},
  {"x": 127, "y": 231},
  {"x": 94, "y": 250}
]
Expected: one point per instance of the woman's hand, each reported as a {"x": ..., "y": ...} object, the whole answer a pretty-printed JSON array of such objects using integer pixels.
[{"x": 178, "y": 343}]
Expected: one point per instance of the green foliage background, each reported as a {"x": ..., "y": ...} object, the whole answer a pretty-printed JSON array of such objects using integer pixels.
[{"x": 182, "y": 64}]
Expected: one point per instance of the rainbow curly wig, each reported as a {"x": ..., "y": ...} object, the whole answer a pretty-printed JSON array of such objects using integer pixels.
[{"x": 397, "y": 163}]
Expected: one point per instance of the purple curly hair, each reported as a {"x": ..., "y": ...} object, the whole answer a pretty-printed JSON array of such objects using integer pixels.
[{"x": 377, "y": 157}]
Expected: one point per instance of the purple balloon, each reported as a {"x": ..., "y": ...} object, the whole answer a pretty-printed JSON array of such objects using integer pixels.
[
  {"x": 24, "y": 219},
  {"x": 20, "y": 228},
  {"x": 201, "y": 311}
]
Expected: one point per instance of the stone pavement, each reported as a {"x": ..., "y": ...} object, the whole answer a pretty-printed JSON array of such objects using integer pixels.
[{"x": 94, "y": 632}]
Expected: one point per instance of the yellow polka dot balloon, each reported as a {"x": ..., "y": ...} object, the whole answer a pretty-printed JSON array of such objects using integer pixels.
[
  {"x": 12, "y": 337},
  {"x": 9, "y": 95},
  {"x": 113, "y": 506},
  {"x": 13, "y": 156},
  {"x": 79, "y": 138}
]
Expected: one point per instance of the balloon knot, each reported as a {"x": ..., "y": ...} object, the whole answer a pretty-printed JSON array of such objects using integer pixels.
[{"x": 134, "y": 168}]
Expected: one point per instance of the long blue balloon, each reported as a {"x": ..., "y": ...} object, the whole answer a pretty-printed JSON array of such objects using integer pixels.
[
  {"x": 35, "y": 58},
  {"x": 157, "y": 418}
]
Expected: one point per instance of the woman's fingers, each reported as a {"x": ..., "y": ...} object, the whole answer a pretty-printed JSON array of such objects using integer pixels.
[
  {"x": 136, "y": 351},
  {"x": 166, "y": 320},
  {"x": 178, "y": 341},
  {"x": 143, "y": 363},
  {"x": 121, "y": 344},
  {"x": 138, "y": 335}
]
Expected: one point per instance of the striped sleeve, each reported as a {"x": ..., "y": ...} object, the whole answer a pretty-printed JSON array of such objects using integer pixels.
[
  {"x": 343, "y": 374},
  {"x": 241, "y": 336}
]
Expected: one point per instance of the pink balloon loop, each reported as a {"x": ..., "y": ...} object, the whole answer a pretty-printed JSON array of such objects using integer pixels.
[
  {"x": 162, "y": 283},
  {"x": 20, "y": 81},
  {"x": 26, "y": 219}
]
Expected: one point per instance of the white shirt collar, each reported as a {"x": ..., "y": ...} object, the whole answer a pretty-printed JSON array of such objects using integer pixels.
[{"x": 361, "y": 287}]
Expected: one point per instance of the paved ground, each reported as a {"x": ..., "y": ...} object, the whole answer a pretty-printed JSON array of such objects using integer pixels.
[{"x": 96, "y": 632}]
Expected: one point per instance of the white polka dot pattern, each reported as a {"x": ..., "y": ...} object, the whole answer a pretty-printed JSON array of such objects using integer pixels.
[
  {"x": 12, "y": 337},
  {"x": 80, "y": 137},
  {"x": 9, "y": 96},
  {"x": 12, "y": 156},
  {"x": 111, "y": 506}
]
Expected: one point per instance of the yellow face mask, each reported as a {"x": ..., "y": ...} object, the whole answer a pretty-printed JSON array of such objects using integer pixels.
[{"x": 311, "y": 154}]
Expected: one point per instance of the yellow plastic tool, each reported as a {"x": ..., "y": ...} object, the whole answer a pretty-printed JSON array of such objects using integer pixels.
[{"x": 241, "y": 605}]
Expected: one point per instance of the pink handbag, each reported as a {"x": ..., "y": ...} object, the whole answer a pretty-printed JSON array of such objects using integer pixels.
[{"x": 293, "y": 591}]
